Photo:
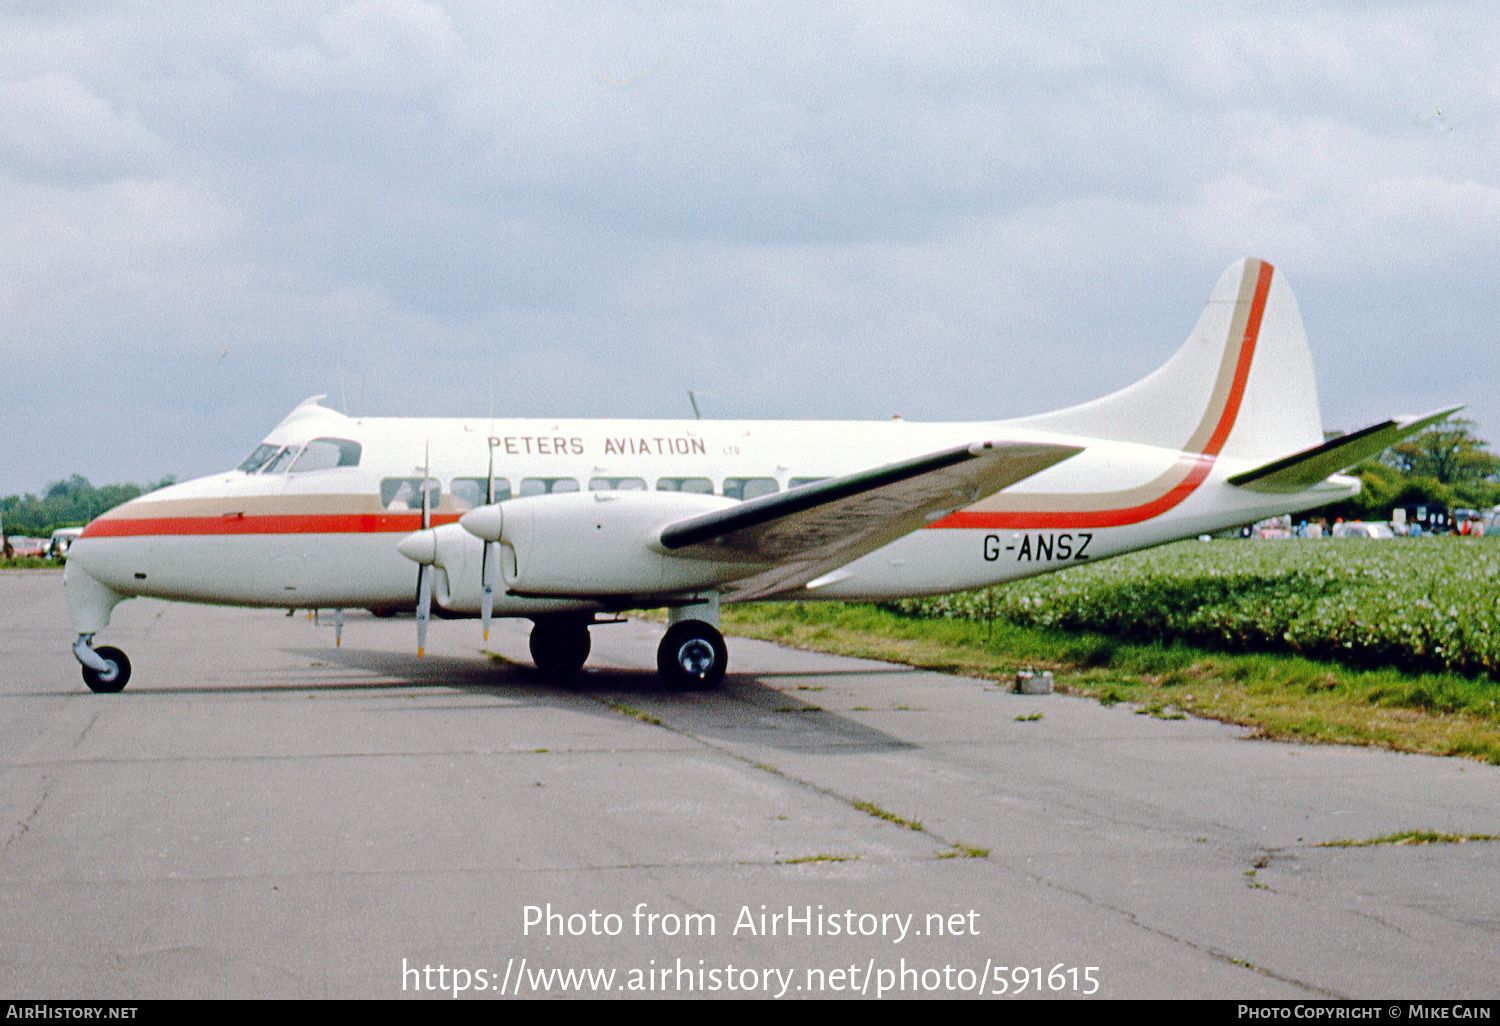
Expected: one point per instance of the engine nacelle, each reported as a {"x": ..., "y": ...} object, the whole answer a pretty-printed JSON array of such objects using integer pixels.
[{"x": 598, "y": 543}]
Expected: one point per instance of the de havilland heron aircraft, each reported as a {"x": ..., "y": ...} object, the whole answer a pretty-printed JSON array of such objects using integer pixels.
[{"x": 562, "y": 521}]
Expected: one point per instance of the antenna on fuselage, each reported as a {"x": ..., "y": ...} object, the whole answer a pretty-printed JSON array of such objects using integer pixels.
[{"x": 694, "y": 400}]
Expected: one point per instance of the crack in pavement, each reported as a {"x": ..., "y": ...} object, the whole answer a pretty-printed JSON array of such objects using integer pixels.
[
  {"x": 1130, "y": 917},
  {"x": 25, "y": 822}
]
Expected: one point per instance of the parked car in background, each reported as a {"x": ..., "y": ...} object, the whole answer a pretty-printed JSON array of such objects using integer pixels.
[
  {"x": 1274, "y": 529},
  {"x": 1428, "y": 519},
  {"x": 62, "y": 538},
  {"x": 1362, "y": 529},
  {"x": 23, "y": 546}
]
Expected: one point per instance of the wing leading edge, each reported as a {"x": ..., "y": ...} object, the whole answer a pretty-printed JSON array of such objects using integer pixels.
[{"x": 807, "y": 532}]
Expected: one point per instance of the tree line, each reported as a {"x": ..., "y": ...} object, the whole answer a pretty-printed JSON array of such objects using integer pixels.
[
  {"x": 70, "y": 503},
  {"x": 1446, "y": 465}
]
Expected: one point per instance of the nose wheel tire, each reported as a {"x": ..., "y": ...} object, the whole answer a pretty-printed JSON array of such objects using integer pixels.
[
  {"x": 692, "y": 656},
  {"x": 112, "y": 680},
  {"x": 560, "y": 647}
]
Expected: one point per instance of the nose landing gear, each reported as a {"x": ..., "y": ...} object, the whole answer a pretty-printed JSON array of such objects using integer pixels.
[{"x": 106, "y": 669}]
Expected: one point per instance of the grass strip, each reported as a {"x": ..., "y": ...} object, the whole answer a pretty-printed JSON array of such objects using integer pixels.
[
  {"x": 819, "y": 858},
  {"x": 630, "y": 710},
  {"x": 871, "y": 809},
  {"x": 30, "y": 563},
  {"x": 1280, "y": 696},
  {"x": 1407, "y": 837}
]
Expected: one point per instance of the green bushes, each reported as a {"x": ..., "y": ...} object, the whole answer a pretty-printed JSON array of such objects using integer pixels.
[{"x": 1419, "y": 605}]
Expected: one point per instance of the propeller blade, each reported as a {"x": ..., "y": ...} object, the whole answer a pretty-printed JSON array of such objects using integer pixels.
[
  {"x": 424, "y": 570},
  {"x": 426, "y": 471},
  {"x": 487, "y": 597},
  {"x": 489, "y": 477},
  {"x": 424, "y": 606}
]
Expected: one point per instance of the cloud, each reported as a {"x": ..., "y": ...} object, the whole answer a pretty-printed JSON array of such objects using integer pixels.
[
  {"x": 75, "y": 252},
  {"x": 381, "y": 48},
  {"x": 53, "y": 125},
  {"x": 958, "y": 211}
]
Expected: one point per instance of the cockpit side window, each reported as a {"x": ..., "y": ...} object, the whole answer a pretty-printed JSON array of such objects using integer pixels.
[
  {"x": 327, "y": 453},
  {"x": 257, "y": 459},
  {"x": 277, "y": 464}
]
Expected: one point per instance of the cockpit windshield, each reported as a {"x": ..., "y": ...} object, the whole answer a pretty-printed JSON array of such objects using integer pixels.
[
  {"x": 258, "y": 458},
  {"x": 277, "y": 464}
]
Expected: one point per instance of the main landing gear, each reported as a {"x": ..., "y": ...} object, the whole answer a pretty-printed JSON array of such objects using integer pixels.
[
  {"x": 105, "y": 669},
  {"x": 560, "y": 645},
  {"x": 691, "y": 657}
]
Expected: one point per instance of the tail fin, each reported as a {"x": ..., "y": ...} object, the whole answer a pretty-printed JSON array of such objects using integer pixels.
[{"x": 1241, "y": 386}]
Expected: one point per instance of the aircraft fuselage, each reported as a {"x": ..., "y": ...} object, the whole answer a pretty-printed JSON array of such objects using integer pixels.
[{"x": 327, "y": 537}]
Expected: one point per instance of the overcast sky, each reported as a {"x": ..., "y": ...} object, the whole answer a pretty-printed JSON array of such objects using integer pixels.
[{"x": 949, "y": 211}]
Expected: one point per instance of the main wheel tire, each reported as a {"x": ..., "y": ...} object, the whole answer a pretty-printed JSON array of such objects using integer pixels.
[
  {"x": 560, "y": 647},
  {"x": 113, "y": 680},
  {"x": 692, "y": 656}
]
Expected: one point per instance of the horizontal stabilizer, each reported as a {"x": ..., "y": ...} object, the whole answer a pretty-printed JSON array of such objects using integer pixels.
[
  {"x": 1302, "y": 470},
  {"x": 804, "y": 533}
]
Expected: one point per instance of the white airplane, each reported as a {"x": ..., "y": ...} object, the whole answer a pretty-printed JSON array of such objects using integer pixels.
[{"x": 559, "y": 521}]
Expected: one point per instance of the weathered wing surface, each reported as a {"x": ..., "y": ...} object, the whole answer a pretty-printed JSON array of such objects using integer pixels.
[{"x": 798, "y": 536}]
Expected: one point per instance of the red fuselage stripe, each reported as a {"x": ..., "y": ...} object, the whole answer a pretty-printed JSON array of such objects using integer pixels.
[{"x": 311, "y": 523}]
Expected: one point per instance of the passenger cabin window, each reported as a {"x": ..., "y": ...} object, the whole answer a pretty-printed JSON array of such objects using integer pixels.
[
  {"x": 745, "y": 488},
  {"x": 697, "y": 485},
  {"x": 277, "y": 464},
  {"x": 798, "y": 482},
  {"x": 327, "y": 453},
  {"x": 468, "y": 492},
  {"x": 617, "y": 484},
  {"x": 547, "y": 486},
  {"x": 405, "y": 493}
]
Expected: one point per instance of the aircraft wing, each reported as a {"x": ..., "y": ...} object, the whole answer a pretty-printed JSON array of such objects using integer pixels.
[
  {"x": 804, "y": 533},
  {"x": 1304, "y": 469}
]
